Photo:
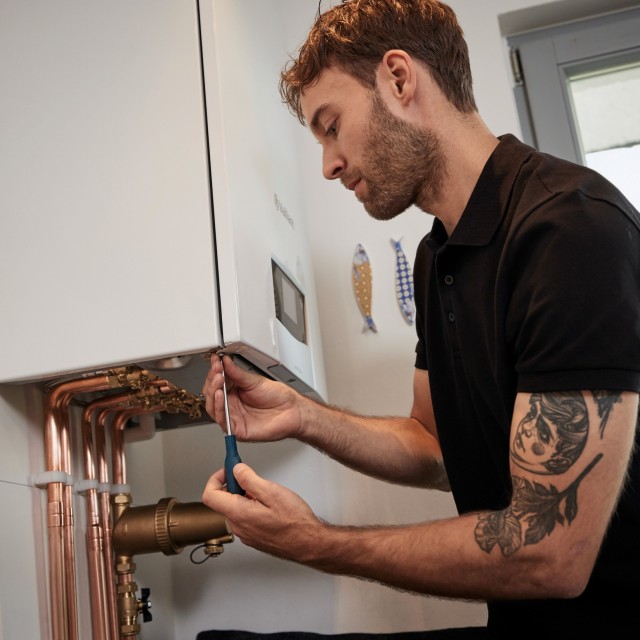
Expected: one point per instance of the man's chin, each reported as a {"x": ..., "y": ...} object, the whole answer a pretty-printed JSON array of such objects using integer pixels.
[{"x": 383, "y": 213}]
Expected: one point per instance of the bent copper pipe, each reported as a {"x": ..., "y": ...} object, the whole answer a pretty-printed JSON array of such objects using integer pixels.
[
  {"x": 62, "y": 569},
  {"x": 95, "y": 533},
  {"x": 128, "y": 611},
  {"x": 168, "y": 527},
  {"x": 105, "y": 515},
  {"x": 105, "y": 520},
  {"x": 118, "y": 460},
  {"x": 63, "y": 590}
]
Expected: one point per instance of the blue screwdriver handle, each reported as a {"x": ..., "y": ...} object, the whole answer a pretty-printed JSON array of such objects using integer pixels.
[{"x": 231, "y": 460}]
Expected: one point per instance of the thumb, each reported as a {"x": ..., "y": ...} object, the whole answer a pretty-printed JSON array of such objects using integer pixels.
[
  {"x": 255, "y": 486},
  {"x": 240, "y": 377}
]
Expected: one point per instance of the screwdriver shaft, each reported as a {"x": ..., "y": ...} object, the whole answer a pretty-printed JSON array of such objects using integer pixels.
[
  {"x": 232, "y": 457},
  {"x": 226, "y": 403}
]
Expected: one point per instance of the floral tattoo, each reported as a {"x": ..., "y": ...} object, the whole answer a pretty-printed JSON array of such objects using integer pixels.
[{"x": 534, "y": 506}]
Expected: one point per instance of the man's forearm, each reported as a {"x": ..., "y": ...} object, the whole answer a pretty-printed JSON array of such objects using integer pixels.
[
  {"x": 398, "y": 450},
  {"x": 442, "y": 559}
]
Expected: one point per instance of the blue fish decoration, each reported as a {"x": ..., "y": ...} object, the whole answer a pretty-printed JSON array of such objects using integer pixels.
[
  {"x": 362, "y": 279},
  {"x": 404, "y": 283}
]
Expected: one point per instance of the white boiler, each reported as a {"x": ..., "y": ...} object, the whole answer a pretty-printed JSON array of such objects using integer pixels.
[{"x": 150, "y": 201}]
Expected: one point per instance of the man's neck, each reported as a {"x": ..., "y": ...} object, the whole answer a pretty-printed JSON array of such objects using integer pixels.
[{"x": 467, "y": 148}]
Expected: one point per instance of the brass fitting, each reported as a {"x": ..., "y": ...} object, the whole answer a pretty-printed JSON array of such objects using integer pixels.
[
  {"x": 128, "y": 609},
  {"x": 169, "y": 526},
  {"x": 167, "y": 398},
  {"x": 121, "y": 502},
  {"x": 130, "y": 376}
]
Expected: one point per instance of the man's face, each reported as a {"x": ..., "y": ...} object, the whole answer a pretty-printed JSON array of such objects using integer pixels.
[{"x": 389, "y": 163}]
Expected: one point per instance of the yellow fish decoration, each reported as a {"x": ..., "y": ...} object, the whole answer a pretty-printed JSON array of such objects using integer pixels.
[{"x": 361, "y": 278}]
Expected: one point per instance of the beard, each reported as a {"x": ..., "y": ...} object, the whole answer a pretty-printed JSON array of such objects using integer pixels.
[{"x": 404, "y": 164}]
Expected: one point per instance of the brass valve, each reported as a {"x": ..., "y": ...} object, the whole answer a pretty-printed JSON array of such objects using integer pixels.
[
  {"x": 128, "y": 609},
  {"x": 168, "y": 526}
]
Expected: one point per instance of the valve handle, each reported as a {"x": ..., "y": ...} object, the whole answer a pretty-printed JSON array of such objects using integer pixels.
[{"x": 145, "y": 604}]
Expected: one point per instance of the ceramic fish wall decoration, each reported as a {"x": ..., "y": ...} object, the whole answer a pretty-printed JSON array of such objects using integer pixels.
[
  {"x": 362, "y": 278},
  {"x": 404, "y": 283}
]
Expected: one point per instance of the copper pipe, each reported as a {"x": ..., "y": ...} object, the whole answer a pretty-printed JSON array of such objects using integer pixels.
[
  {"x": 62, "y": 569},
  {"x": 126, "y": 599},
  {"x": 172, "y": 525},
  {"x": 149, "y": 404},
  {"x": 105, "y": 519},
  {"x": 105, "y": 516},
  {"x": 118, "y": 460},
  {"x": 53, "y": 462},
  {"x": 63, "y": 587},
  {"x": 95, "y": 533},
  {"x": 63, "y": 599},
  {"x": 103, "y": 408},
  {"x": 97, "y": 584},
  {"x": 68, "y": 535},
  {"x": 68, "y": 390}
]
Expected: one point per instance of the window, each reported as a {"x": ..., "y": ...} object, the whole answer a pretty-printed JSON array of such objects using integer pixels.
[{"x": 578, "y": 91}]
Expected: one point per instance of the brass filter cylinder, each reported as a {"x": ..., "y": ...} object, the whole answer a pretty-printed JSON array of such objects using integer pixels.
[{"x": 167, "y": 526}]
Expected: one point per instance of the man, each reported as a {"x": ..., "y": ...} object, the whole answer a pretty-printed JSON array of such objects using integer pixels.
[{"x": 528, "y": 356}]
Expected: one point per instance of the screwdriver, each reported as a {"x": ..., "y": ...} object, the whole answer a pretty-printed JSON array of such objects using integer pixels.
[{"x": 232, "y": 458}]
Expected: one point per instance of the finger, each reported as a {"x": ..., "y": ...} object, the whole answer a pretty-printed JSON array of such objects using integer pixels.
[
  {"x": 207, "y": 389},
  {"x": 211, "y": 390},
  {"x": 207, "y": 392},
  {"x": 210, "y": 402},
  {"x": 214, "y": 367},
  {"x": 255, "y": 486},
  {"x": 216, "y": 481},
  {"x": 239, "y": 376},
  {"x": 215, "y": 495}
]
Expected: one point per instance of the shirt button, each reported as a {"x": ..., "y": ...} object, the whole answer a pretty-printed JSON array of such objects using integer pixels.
[
  {"x": 452, "y": 316},
  {"x": 448, "y": 279}
]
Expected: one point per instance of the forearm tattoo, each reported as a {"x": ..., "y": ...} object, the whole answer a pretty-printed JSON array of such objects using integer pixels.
[{"x": 549, "y": 440}]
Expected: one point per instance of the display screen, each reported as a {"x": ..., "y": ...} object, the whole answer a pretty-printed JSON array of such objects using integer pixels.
[{"x": 290, "y": 309}]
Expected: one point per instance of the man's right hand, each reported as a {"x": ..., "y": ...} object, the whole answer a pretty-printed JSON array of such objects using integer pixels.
[{"x": 261, "y": 410}]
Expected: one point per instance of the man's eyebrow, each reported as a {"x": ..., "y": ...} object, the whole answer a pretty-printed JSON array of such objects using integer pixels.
[{"x": 315, "y": 120}]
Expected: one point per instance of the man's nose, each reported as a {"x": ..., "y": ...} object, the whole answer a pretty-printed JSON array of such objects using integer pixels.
[{"x": 332, "y": 164}]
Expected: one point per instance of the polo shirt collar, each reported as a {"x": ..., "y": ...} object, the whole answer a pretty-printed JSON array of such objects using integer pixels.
[{"x": 489, "y": 199}]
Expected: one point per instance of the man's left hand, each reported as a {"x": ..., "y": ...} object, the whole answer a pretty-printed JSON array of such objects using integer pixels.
[{"x": 270, "y": 518}]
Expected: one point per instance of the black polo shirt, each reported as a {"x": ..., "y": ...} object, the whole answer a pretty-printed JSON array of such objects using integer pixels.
[{"x": 537, "y": 289}]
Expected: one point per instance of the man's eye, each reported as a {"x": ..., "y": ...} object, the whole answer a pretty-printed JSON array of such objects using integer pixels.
[{"x": 331, "y": 130}]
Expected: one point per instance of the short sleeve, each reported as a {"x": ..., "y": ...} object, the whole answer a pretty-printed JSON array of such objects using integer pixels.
[{"x": 573, "y": 319}]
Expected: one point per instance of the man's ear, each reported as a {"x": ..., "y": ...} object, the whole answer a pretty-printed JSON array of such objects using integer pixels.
[{"x": 397, "y": 75}]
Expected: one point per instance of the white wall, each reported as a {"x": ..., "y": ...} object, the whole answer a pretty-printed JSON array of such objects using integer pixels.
[{"x": 23, "y": 592}]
